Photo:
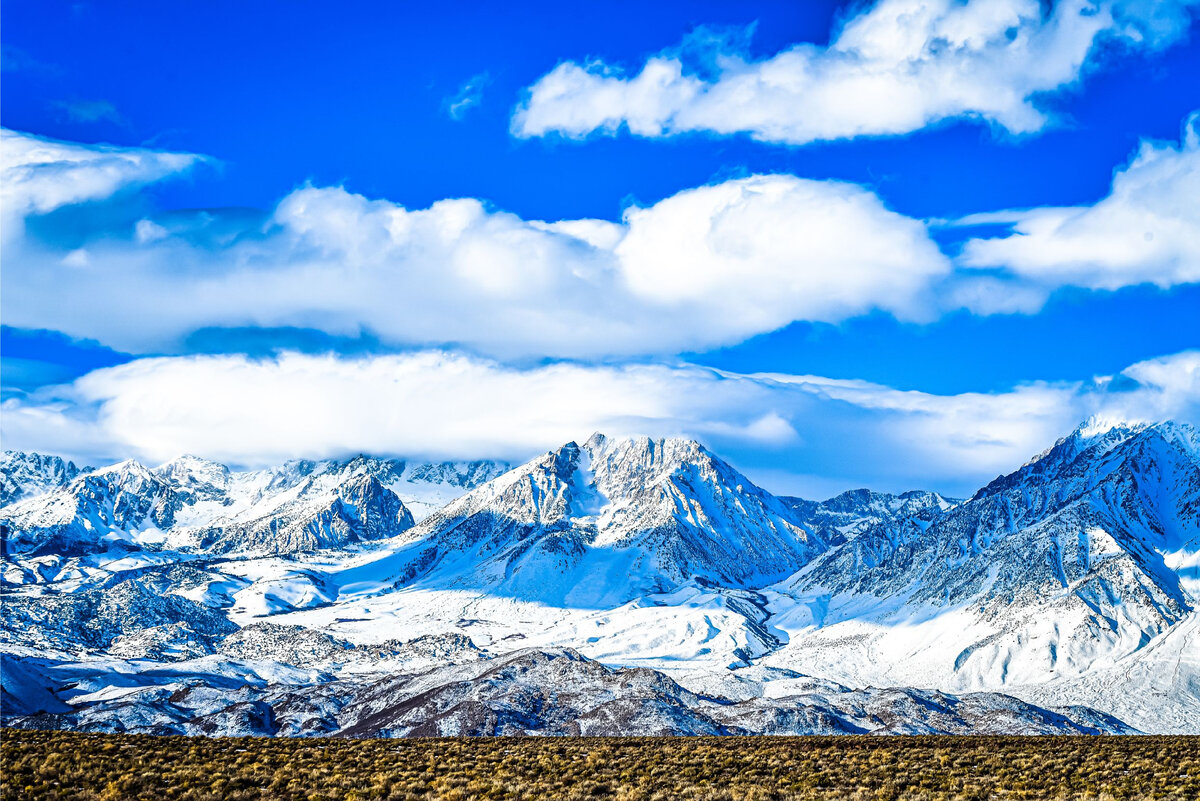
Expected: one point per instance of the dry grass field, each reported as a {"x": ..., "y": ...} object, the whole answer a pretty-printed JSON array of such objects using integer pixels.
[{"x": 45, "y": 764}]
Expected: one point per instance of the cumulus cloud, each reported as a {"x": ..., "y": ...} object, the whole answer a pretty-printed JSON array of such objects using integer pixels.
[
  {"x": 789, "y": 429},
  {"x": 700, "y": 245},
  {"x": 708, "y": 266},
  {"x": 1147, "y": 230},
  {"x": 893, "y": 68}
]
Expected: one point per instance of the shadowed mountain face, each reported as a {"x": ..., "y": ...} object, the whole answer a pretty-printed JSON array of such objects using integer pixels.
[
  {"x": 618, "y": 586},
  {"x": 1097, "y": 518}
]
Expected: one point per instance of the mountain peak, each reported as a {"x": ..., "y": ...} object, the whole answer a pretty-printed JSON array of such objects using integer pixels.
[
  {"x": 129, "y": 467},
  {"x": 1106, "y": 425},
  {"x": 30, "y": 456},
  {"x": 195, "y": 473},
  {"x": 1099, "y": 429},
  {"x": 657, "y": 452},
  {"x": 26, "y": 475},
  {"x": 1098, "y": 434},
  {"x": 1102, "y": 435},
  {"x": 658, "y": 512},
  {"x": 595, "y": 442},
  {"x": 189, "y": 459}
]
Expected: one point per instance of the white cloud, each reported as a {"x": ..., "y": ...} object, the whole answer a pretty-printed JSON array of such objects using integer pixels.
[
  {"x": 38, "y": 175},
  {"x": 76, "y": 258},
  {"x": 802, "y": 243},
  {"x": 783, "y": 427},
  {"x": 894, "y": 68},
  {"x": 148, "y": 231},
  {"x": 1147, "y": 230},
  {"x": 1175, "y": 377},
  {"x": 708, "y": 266}
]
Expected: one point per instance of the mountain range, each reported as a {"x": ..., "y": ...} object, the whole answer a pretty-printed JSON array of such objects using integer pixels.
[{"x": 618, "y": 586}]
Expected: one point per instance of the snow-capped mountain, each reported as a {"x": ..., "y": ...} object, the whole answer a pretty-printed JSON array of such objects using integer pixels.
[
  {"x": 196, "y": 505},
  {"x": 27, "y": 475},
  {"x": 628, "y": 585},
  {"x": 845, "y": 516},
  {"x": 606, "y": 522},
  {"x": 1075, "y": 561}
]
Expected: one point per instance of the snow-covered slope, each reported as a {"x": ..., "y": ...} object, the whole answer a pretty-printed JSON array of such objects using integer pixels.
[
  {"x": 92, "y": 619},
  {"x": 601, "y": 524},
  {"x": 262, "y": 600},
  {"x": 529, "y": 691},
  {"x": 196, "y": 505},
  {"x": 426, "y": 487},
  {"x": 1158, "y": 686},
  {"x": 845, "y": 516},
  {"x": 1077, "y": 560},
  {"x": 28, "y": 475}
]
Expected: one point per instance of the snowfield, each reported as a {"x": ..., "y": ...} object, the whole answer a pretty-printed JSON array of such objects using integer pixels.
[{"x": 621, "y": 586}]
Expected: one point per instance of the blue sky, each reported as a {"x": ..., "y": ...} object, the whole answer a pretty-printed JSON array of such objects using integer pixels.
[{"x": 245, "y": 168}]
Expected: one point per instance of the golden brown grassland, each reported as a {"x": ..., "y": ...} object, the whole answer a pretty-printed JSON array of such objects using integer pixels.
[{"x": 46, "y": 764}]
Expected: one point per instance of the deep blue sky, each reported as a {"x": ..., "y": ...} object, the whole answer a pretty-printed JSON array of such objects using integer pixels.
[
  {"x": 284, "y": 93},
  {"x": 281, "y": 93}
]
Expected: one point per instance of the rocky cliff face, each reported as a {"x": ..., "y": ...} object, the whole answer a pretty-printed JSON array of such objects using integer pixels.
[{"x": 26, "y": 475}]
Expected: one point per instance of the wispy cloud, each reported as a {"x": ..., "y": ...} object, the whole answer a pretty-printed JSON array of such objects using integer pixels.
[
  {"x": 468, "y": 96},
  {"x": 14, "y": 59},
  {"x": 88, "y": 111},
  {"x": 40, "y": 174}
]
